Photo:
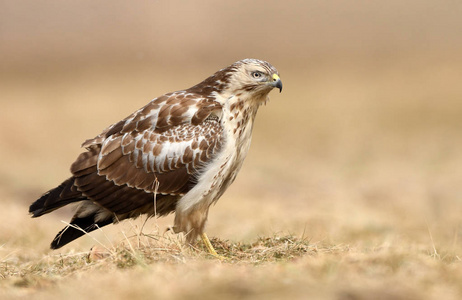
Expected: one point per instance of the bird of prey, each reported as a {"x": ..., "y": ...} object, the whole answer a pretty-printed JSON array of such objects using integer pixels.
[{"x": 179, "y": 153}]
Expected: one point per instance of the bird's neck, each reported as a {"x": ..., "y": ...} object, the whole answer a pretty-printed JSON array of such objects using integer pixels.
[{"x": 239, "y": 115}]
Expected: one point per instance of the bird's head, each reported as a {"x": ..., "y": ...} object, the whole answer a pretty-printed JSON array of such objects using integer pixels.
[{"x": 253, "y": 76}]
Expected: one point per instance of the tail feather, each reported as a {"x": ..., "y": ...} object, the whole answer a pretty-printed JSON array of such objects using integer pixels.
[
  {"x": 58, "y": 197},
  {"x": 77, "y": 228}
]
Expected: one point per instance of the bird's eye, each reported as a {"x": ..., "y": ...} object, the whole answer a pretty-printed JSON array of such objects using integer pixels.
[{"x": 257, "y": 75}]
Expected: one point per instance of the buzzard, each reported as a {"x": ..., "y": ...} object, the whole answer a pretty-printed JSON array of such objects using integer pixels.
[{"x": 179, "y": 153}]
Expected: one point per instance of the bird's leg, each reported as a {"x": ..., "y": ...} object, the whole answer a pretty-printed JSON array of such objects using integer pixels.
[
  {"x": 192, "y": 224},
  {"x": 209, "y": 246}
]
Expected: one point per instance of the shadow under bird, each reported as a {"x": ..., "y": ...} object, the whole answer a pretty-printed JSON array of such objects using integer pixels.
[{"x": 179, "y": 153}]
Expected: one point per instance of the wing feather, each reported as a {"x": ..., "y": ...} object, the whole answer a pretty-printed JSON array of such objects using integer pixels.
[{"x": 158, "y": 149}]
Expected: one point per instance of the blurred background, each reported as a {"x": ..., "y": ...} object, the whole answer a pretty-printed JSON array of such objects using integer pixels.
[{"x": 362, "y": 147}]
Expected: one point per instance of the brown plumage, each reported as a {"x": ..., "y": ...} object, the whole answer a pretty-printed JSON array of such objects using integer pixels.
[{"x": 181, "y": 151}]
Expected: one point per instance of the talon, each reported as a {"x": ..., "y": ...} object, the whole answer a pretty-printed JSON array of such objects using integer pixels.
[{"x": 170, "y": 228}]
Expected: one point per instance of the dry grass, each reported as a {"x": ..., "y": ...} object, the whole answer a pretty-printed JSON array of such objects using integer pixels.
[
  {"x": 271, "y": 267},
  {"x": 146, "y": 250}
]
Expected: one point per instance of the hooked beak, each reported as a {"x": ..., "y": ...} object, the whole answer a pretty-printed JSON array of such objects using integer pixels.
[{"x": 277, "y": 83}]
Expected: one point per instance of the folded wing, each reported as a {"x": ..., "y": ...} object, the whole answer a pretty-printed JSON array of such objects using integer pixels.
[{"x": 159, "y": 149}]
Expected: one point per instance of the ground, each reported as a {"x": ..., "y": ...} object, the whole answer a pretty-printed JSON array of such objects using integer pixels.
[{"x": 351, "y": 189}]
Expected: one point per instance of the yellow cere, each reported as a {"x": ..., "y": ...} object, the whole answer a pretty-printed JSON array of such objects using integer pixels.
[{"x": 275, "y": 77}]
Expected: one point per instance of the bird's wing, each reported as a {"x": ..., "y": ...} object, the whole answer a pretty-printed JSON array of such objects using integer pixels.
[
  {"x": 158, "y": 149},
  {"x": 161, "y": 114}
]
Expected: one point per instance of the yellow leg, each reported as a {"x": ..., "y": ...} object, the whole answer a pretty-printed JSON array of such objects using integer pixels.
[{"x": 209, "y": 246}]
